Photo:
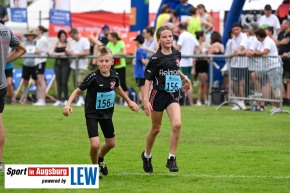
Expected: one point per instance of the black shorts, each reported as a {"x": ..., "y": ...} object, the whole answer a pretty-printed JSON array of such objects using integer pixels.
[
  {"x": 3, "y": 92},
  {"x": 238, "y": 74},
  {"x": 201, "y": 66},
  {"x": 106, "y": 126},
  {"x": 9, "y": 72},
  {"x": 40, "y": 68},
  {"x": 28, "y": 71},
  {"x": 140, "y": 81},
  {"x": 161, "y": 99}
]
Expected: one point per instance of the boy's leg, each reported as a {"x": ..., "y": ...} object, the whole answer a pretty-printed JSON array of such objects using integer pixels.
[
  {"x": 109, "y": 134},
  {"x": 95, "y": 143}
]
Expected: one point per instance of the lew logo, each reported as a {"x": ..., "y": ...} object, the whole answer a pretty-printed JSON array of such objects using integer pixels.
[
  {"x": 177, "y": 62},
  {"x": 112, "y": 85}
]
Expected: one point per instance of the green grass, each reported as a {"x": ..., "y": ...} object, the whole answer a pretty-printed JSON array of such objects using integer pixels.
[{"x": 219, "y": 151}]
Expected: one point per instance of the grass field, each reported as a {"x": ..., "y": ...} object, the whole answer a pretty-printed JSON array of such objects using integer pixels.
[{"x": 219, "y": 151}]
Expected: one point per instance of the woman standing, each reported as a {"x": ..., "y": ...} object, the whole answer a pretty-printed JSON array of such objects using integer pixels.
[
  {"x": 41, "y": 50},
  {"x": 61, "y": 67},
  {"x": 150, "y": 43},
  {"x": 118, "y": 48},
  {"x": 201, "y": 69}
]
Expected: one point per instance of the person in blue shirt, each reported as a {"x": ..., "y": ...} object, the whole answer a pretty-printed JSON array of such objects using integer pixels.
[
  {"x": 139, "y": 65},
  {"x": 182, "y": 9}
]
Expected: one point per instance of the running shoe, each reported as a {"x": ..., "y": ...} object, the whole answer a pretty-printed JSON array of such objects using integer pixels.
[
  {"x": 103, "y": 168},
  {"x": 147, "y": 165},
  {"x": 171, "y": 164}
]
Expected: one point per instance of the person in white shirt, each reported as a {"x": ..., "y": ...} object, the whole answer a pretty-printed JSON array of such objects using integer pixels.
[
  {"x": 271, "y": 65},
  {"x": 41, "y": 50},
  {"x": 269, "y": 20},
  {"x": 79, "y": 47},
  {"x": 238, "y": 65},
  {"x": 255, "y": 66},
  {"x": 186, "y": 44}
]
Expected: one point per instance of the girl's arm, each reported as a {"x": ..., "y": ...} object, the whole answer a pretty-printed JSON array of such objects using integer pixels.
[
  {"x": 147, "y": 105},
  {"x": 131, "y": 104},
  {"x": 185, "y": 81},
  {"x": 67, "y": 109}
]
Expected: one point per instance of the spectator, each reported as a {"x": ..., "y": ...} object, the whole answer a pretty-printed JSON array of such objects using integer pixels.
[
  {"x": 29, "y": 66},
  {"x": 201, "y": 69},
  {"x": 182, "y": 9},
  {"x": 103, "y": 36},
  {"x": 18, "y": 51},
  {"x": 186, "y": 44},
  {"x": 195, "y": 23},
  {"x": 61, "y": 68},
  {"x": 271, "y": 65},
  {"x": 238, "y": 67},
  {"x": 163, "y": 18},
  {"x": 217, "y": 48},
  {"x": 9, "y": 78},
  {"x": 139, "y": 66},
  {"x": 283, "y": 10},
  {"x": 269, "y": 20},
  {"x": 3, "y": 15},
  {"x": 79, "y": 47},
  {"x": 41, "y": 50},
  {"x": 173, "y": 17},
  {"x": 206, "y": 17},
  {"x": 284, "y": 49},
  {"x": 150, "y": 43},
  {"x": 118, "y": 48},
  {"x": 256, "y": 71},
  {"x": 269, "y": 32}
]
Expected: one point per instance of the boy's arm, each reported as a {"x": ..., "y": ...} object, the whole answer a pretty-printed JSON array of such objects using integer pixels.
[
  {"x": 131, "y": 104},
  {"x": 67, "y": 109}
]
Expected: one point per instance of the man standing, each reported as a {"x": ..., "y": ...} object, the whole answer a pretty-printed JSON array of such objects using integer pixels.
[
  {"x": 182, "y": 9},
  {"x": 238, "y": 65},
  {"x": 7, "y": 39},
  {"x": 79, "y": 47},
  {"x": 269, "y": 20},
  {"x": 186, "y": 44}
]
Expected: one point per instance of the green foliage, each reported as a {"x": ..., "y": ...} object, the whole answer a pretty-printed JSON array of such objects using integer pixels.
[{"x": 219, "y": 151}]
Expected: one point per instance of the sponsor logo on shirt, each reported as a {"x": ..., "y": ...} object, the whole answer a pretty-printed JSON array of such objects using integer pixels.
[
  {"x": 168, "y": 72},
  {"x": 112, "y": 85},
  {"x": 177, "y": 62}
]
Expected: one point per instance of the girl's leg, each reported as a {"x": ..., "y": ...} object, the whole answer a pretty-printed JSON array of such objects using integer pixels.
[
  {"x": 156, "y": 118},
  {"x": 173, "y": 111}
]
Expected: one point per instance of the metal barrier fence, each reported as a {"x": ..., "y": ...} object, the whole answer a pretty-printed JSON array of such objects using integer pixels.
[
  {"x": 211, "y": 58},
  {"x": 255, "y": 79}
]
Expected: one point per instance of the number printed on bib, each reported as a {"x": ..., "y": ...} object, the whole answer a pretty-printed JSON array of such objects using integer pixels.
[
  {"x": 105, "y": 100},
  {"x": 172, "y": 83}
]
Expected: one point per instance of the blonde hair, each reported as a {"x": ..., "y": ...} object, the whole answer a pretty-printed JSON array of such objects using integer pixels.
[{"x": 103, "y": 50}]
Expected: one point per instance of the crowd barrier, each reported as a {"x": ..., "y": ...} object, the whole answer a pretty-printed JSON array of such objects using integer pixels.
[
  {"x": 216, "y": 63},
  {"x": 257, "y": 80}
]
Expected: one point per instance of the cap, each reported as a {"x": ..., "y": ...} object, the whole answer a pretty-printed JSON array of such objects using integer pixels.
[
  {"x": 139, "y": 38},
  {"x": 30, "y": 33},
  {"x": 105, "y": 27},
  {"x": 268, "y": 7}
]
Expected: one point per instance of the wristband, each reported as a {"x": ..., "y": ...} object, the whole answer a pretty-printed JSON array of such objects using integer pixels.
[{"x": 185, "y": 78}]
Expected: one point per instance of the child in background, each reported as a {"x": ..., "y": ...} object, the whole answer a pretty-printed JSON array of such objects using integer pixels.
[{"x": 139, "y": 66}]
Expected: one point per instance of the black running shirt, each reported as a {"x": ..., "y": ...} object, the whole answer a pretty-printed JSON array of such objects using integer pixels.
[
  {"x": 161, "y": 65},
  {"x": 101, "y": 105}
]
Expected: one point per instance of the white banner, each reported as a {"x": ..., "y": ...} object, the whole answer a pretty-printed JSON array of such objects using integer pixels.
[{"x": 51, "y": 176}]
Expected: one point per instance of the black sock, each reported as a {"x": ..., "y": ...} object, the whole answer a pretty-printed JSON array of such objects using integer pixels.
[{"x": 101, "y": 159}]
